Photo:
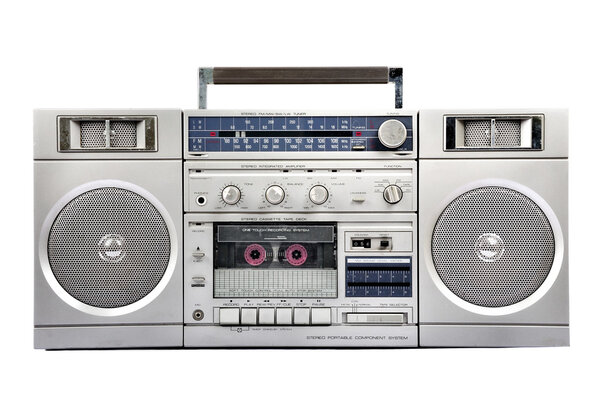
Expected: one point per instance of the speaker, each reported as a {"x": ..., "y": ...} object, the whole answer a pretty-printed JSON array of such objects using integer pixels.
[
  {"x": 493, "y": 268},
  {"x": 108, "y": 268}
]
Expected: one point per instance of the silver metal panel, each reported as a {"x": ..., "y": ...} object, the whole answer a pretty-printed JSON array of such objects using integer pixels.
[
  {"x": 493, "y": 336},
  {"x": 300, "y": 336},
  {"x": 45, "y": 134},
  {"x": 54, "y": 180},
  {"x": 349, "y": 190},
  {"x": 301, "y": 155},
  {"x": 431, "y": 134},
  {"x": 199, "y": 237},
  {"x": 108, "y": 337},
  {"x": 545, "y": 181}
]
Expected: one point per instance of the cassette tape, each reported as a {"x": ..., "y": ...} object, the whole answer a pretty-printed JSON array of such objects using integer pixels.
[{"x": 270, "y": 260}]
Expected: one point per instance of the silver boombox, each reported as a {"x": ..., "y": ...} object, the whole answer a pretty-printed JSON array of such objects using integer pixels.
[{"x": 257, "y": 228}]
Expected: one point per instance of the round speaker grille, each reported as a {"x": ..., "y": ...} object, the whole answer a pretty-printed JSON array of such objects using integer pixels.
[
  {"x": 109, "y": 247},
  {"x": 493, "y": 246}
]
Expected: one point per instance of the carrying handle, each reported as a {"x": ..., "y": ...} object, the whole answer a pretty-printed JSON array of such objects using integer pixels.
[{"x": 310, "y": 75}]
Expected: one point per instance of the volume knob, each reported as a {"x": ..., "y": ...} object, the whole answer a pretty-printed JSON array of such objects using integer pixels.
[
  {"x": 318, "y": 194},
  {"x": 392, "y": 194},
  {"x": 231, "y": 194},
  {"x": 392, "y": 133},
  {"x": 274, "y": 194}
]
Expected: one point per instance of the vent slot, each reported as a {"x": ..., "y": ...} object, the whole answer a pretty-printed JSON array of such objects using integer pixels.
[
  {"x": 468, "y": 133},
  {"x": 106, "y": 133}
]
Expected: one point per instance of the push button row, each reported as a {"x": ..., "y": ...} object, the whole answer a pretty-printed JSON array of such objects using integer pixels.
[{"x": 275, "y": 316}]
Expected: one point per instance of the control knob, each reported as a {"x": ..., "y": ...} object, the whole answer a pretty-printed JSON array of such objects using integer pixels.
[
  {"x": 231, "y": 194},
  {"x": 392, "y": 194},
  {"x": 392, "y": 133},
  {"x": 318, "y": 194},
  {"x": 274, "y": 194}
]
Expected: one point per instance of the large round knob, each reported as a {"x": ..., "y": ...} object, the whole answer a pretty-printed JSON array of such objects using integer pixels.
[
  {"x": 392, "y": 194},
  {"x": 318, "y": 194},
  {"x": 231, "y": 194},
  {"x": 392, "y": 133},
  {"x": 274, "y": 194}
]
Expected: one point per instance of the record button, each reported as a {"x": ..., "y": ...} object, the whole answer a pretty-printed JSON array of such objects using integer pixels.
[
  {"x": 266, "y": 316},
  {"x": 229, "y": 316}
]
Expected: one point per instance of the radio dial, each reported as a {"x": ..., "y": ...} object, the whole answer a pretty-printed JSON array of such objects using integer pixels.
[
  {"x": 392, "y": 194},
  {"x": 274, "y": 194},
  {"x": 231, "y": 194},
  {"x": 318, "y": 194},
  {"x": 392, "y": 133}
]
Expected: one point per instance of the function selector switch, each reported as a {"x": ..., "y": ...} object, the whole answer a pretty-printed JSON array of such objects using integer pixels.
[
  {"x": 392, "y": 194},
  {"x": 231, "y": 194},
  {"x": 392, "y": 133},
  {"x": 274, "y": 194},
  {"x": 318, "y": 194}
]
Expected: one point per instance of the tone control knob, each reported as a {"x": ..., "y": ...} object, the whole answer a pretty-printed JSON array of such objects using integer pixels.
[
  {"x": 231, "y": 194},
  {"x": 392, "y": 194},
  {"x": 274, "y": 194},
  {"x": 392, "y": 133},
  {"x": 318, "y": 194}
]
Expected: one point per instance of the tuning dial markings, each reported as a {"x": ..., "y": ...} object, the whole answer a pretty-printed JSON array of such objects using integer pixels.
[
  {"x": 274, "y": 194},
  {"x": 231, "y": 194},
  {"x": 392, "y": 133},
  {"x": 318, "y": 194},
  {"x": 392, "y": 194}
]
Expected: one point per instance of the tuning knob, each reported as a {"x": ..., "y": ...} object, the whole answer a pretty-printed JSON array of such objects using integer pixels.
[
  {"x": 318, "y": 194},
  {"x": 392, "y": 133},
  {"x": 231, "y": 194},
  {"x": 392, "y": 194},
  {"x": 274, "y": 194}
]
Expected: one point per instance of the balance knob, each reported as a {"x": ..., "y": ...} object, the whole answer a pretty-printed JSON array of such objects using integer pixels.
[
  {"x": 392, "y": 194},
  {"x": 274, "y": 194},
  {"x": 318, "y": 194},
  {"x": 392, "y": 133},
  {"x": 231, "y": 194}
]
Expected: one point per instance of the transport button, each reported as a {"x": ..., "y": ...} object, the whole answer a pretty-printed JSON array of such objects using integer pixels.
[
  {"x": 284, "y": 316},
  {"x": 321, "y": 316},
  {"x": 248, "y": 316},
  {"x": 229, "y": 316},
  {"x": 301, "y": 316},
  {"x": 266, "y": 316}
]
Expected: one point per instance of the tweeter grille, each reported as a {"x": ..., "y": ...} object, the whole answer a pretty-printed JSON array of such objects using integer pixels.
[
  {"x": 93, "y": 134},
  {"x": 123, "y": 134},
  {"x": 493, "y": 246},
  {"x": 109, "y": 247},
  {"x": 478, "y": 133},
  {"x": 508, "y": 133}
]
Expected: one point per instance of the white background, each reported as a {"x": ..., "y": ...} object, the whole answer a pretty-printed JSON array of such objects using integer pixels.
[{"x": 145, "y": 54}]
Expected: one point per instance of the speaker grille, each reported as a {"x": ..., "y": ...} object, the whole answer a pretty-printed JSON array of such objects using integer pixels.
[
  {"x": 123, "y": 134},
  {"x": 109, "y": 247},
  {"x": 508, "y": 133},
  {"x": 477, "y": 133},
  {"x": 493, "y": 246},
  {"x": 93, "y": 134}
]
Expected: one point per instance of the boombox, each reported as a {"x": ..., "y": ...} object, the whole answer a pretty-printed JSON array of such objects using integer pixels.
[{"x": 260, "y": 228}]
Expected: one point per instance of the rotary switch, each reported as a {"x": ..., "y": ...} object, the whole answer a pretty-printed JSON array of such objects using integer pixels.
[
  {"x": 392, "y": 133},
  {"x": 318, "y": 194},
  {"x": 231, "y": 194},
  {"x": 274, "y": 194},
  {"x": 392, "y": 194}
]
